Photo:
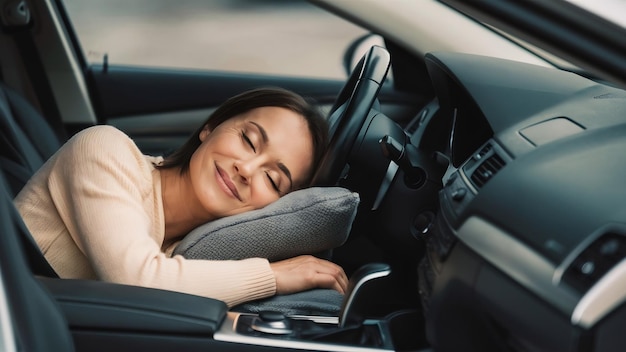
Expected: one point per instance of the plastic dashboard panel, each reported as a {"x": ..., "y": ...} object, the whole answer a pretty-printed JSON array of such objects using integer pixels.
[{"x": 562, "y": 140}]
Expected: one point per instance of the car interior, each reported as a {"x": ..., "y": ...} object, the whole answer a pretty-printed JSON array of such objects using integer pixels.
[{"x": 491, "y": 213}]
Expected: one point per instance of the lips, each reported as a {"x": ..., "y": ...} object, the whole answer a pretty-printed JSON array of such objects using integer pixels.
[{"x": 226, "y": 184}]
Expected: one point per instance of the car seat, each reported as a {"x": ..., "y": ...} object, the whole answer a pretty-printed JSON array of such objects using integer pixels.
[
  {"x": 36, "y": 319},
  {"x": 27, "y": 140}
]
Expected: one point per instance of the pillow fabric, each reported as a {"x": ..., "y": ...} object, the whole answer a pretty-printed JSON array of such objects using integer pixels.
[
  {"x": 306, "y": 221},
  {"x": 319, "y": 302}
]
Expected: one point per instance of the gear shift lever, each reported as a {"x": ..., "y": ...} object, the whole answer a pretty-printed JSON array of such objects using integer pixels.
[{"x": 360, "y": 290}]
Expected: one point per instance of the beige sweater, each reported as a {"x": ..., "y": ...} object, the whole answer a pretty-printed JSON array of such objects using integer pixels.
[{"x": 95, "y": 210}]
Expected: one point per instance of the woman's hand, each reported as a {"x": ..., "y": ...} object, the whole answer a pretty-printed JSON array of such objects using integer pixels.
[{"x": 306, "y": 272}]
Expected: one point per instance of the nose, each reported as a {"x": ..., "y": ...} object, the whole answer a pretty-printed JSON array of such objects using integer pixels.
[{"x": 246, "y": 168}]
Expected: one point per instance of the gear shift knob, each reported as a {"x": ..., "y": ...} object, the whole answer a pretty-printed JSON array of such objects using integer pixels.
[{"x": 360, "y": 292}]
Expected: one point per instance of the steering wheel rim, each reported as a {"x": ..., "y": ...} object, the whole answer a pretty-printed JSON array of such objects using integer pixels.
[{"x": 350, "y": 111}]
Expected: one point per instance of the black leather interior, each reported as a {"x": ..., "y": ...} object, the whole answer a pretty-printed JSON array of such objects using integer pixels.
[
  {"x": 27, "y": 140},
  {"x": 38, "y": 324},
  {"x": 123, "y": 308}
]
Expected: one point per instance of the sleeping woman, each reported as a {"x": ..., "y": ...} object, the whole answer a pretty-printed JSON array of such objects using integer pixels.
[{"x": 100, "y": 209}]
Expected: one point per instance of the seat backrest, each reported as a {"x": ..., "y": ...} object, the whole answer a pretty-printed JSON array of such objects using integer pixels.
[
  {"x": 26, "y": 139},
  {"x": 26, "y": 142},
  {"x": 36, "y": 320}
]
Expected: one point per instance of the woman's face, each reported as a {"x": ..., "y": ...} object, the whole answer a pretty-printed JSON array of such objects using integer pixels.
[{"x": 250, "y": 160}]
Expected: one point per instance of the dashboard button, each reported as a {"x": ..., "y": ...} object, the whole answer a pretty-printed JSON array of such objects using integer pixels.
[{"x": 459, "y": 194}]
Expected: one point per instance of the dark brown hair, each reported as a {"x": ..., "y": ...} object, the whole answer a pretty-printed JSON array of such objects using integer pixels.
[{"x": 247, "y": 101}]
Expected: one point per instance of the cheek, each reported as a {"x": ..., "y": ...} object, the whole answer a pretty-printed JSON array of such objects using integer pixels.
[
  {"x": 202, "y": 170},
  {"x": 197, "y": 161},
  {"x": 262, "y": 195},
  {"x": 198, "y": 175}
]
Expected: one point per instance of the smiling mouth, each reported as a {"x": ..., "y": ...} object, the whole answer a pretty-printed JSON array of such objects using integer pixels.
[{"x": 227, "y": 185}]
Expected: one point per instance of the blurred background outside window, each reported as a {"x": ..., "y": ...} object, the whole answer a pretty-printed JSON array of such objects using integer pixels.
[{"x": 278, "y": 37}]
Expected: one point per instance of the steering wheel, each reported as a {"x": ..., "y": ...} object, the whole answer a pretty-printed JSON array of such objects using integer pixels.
[{"x": 350, "y": 111}]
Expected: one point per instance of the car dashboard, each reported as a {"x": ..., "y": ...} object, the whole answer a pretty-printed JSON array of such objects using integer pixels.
[{"x": 526, "y": 250}]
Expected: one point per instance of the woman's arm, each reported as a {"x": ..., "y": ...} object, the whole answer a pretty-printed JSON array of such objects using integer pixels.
[
  {"x": 104, "y": 191},
  {"x": 102, "y": 187}
]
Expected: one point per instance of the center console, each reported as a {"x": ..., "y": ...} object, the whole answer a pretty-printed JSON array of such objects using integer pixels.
[
  {"x": 311, "y": 333},
  {"x": 352, "y": 330},
  {"x": 104, "y": 316}
]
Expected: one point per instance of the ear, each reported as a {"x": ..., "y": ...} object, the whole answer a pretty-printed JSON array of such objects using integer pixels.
[{"x": 204, "y": 133}]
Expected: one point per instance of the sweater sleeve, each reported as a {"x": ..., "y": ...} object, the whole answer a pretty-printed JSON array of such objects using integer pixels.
[{"x": 101, "y": 184}]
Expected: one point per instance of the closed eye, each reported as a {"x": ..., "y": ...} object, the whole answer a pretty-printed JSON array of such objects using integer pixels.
[
  {"x": 274, "y": 185},
  {"x": 247, "y": 140}
]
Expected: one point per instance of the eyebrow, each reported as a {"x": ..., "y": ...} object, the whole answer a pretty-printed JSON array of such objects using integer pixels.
[{"x": 280, "y": 165}]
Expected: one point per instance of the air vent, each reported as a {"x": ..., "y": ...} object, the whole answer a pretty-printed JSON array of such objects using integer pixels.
[
  {"x": 485, "y": 151},
  {"x": 485, "y": 164},
  {"x": 595, "y": 261}
]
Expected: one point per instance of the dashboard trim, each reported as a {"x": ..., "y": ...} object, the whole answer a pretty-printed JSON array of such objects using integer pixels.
[
  {"x": 602, "y": 298},
  {"x": 228, "y": 333},
  {"x": 517, "y": 260},
  {"x": 560, "y": 270}
]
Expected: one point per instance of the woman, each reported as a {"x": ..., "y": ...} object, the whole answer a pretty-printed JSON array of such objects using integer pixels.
[{"x": 99, "y": 209}]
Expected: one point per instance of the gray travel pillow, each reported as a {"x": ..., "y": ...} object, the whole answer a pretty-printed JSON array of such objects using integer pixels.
[
  {"x": 316, "y": 302},
  {"x": 307, "y": 221}
]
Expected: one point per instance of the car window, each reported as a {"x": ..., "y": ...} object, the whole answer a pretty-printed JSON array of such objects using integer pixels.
[{"x": 292, "y": 38}]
